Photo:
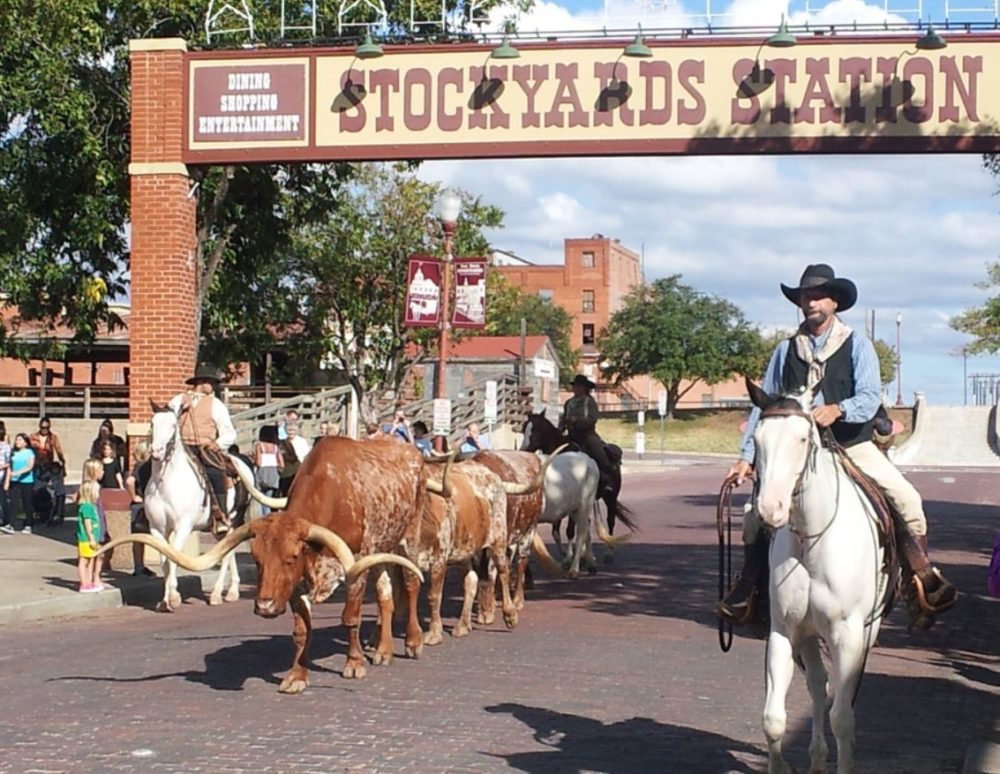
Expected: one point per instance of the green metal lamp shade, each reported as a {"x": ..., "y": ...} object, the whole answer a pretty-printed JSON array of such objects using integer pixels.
[
  {"x": 931, "y": 41},
  {"x": 782, "y": 38},
  {"x": 368, "y": 49},
  {"x": 637, "y": 48},
  {"x": 505, "y": 51}
]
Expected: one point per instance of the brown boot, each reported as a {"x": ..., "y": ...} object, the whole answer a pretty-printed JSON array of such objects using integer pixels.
[
  {"x": 929, "y": 593},
  {"x": 738, "y": 605},
  {"x": 220, "y": 519}
]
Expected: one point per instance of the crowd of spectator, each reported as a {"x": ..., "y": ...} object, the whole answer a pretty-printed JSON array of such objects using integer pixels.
[{"x": 416, "y": 432}]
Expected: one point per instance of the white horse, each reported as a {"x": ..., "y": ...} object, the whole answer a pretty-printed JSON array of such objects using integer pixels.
[
  {"x": 827, "y": 580},
  {"x": 176, "y": 503}
]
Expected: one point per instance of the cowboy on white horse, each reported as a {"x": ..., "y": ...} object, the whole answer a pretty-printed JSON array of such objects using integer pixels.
[
  {"x": 578, "y": 420},
  {"x": 207, "y": 430},
  {"x": 826, "y": 349}
]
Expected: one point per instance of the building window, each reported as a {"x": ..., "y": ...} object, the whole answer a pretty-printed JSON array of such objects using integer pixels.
[
  {"x": 545, "y": 294},
  {"x": 588, "y": 301},
  {"x": 588, "y": 334},
  {"x": 587, "y": 260}
]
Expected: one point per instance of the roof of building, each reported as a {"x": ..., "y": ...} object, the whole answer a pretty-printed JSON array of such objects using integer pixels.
[
  {"x": 33, "y": 330},
  {"x": 498, "y": 347}
]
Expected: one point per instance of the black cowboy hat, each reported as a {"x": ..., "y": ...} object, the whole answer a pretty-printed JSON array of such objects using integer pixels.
[
  {"x": 582, "y": 380},
  {"x": 821, "y": 276},
  {"x": 205, "y": 374}
]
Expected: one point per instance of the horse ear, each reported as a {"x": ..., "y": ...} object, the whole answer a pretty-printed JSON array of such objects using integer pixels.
[
  {"x": 542, "y": 413},
  {"x": 758, "y": 397},
  {"x": 152, "y": 405}
]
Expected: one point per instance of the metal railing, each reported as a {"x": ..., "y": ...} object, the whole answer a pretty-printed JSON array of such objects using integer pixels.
[{"x": 333, "y": 405}]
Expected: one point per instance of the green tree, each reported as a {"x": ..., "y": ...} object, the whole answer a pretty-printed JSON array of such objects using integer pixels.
[
  {"x": 507, "y": 305},
  {"x": 886, "y": 361},
  {"x": 348, "y": 276},
  {"x": 64, "y": 189},
  {"x": 983, "y": 322},
  {"x": 678, "y": 335}
]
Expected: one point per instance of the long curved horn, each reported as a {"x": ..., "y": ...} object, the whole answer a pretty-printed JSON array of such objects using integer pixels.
[
  {"x": 334, "y": 542},
  {"x": 549, "y": 565},
  {"x": 444, "y": 488},
  {"x": 368, "y": 561},
  {"x": 354, "y": 568},
  {"x": 531, "y": 486},
  {"x": 277, "y": 503},
  {"x": 205, "y": 561}
]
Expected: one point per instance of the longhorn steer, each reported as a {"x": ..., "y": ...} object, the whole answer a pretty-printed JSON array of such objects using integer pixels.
[
  {"x": 523, "y": 511},
  {"x": 457, "y": 530},
  {"x": 350, "y": 497}
]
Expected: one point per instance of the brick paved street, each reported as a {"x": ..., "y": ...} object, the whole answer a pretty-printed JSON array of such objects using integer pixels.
[{"x": 615, "y": 673}]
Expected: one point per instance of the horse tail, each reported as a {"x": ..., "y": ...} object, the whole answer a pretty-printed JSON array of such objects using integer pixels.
[{"x": 627, "y": 515}]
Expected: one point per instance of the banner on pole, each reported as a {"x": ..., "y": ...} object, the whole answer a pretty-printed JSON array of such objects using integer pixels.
[
  {"x": 470, "y": 293},
  {"x": 423, "y": 292},
  {"x": 490, "y": 403}
]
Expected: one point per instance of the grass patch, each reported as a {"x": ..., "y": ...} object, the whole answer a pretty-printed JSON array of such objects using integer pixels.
[
  {"x": 690, "y": 431},
  {"x": 705, "y": 431}
]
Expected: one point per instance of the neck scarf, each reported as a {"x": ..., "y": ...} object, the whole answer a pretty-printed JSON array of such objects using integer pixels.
[{"x": 816, "y": 360}]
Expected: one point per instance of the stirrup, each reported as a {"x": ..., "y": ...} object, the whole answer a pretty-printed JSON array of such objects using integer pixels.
[{"x": 920, "y": 595}]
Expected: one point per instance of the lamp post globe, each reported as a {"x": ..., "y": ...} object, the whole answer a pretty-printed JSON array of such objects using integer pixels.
[{"x": 449, "y": 207}]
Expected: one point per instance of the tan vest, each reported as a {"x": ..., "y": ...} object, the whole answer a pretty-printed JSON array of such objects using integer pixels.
[{"x": 197, "y": 426}]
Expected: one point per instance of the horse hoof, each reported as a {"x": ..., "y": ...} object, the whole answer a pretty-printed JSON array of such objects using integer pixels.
[
  {"x": 163, "y": 607},
  {"x": 175, "y": 600},
  {"x": 215, "y": 599},
  {"x": 573, "y": 574},
  {"x": 233, "y": 596},
  {"x": 460, "y": 630},
  {"x": 414, "y": 651}
]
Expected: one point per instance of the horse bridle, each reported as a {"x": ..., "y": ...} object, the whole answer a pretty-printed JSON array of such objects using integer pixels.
[{"x": 792, "y": 409}]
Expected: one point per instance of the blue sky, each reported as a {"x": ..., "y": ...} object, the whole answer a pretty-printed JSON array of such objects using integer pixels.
[{"x": 914, "y": 232}]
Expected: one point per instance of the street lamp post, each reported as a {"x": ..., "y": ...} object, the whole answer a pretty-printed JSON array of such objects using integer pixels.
[
  {"x": 899, "y": 361},
  {"x": 449, "y": 206}
]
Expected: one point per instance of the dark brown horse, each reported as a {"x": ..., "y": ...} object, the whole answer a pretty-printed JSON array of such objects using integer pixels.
[{"x": 541, "y": 435}]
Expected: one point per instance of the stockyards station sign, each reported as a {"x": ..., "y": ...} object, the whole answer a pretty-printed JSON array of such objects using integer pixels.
[{"x": 828, "y": 94}]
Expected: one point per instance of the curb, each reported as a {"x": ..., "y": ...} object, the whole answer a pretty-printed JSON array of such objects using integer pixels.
[{"x": 140, "y": 591}]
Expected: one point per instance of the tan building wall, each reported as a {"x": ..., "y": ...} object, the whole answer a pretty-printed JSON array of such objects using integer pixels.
[{"x": 591, "y": 284}]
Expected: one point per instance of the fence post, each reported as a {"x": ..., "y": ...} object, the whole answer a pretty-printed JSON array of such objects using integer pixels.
[{"x": 86, "y": 402}]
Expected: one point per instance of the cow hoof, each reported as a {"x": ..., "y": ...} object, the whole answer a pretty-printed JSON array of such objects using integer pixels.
[
  {"x": 510, "y": 619},
  {"x": 573, "y": 574},
  {"x": 591, "y": 569},
  {"x": 215, "y": 599},
  {"x": 381, "y": 659},
  {"x": 414, "y": 651},
  {"x": 460, "y": 630},
  {"x": 353, "y": 671},
  {"x": 433, "y": 638},
  {"x": 486, "y": 619},
  {"x": 163, "y": 607},
  {"x": 293, "y": 684}
]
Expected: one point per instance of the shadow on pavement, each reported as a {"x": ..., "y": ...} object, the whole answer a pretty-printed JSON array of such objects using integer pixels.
[{"x": 577, "y": 743}]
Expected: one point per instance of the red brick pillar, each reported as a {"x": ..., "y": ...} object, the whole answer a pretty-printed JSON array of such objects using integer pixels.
[{"x": 162, "y": 335}]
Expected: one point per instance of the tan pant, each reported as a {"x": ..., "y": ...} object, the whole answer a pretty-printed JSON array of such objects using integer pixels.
[{"x": 900, "y": 492}]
